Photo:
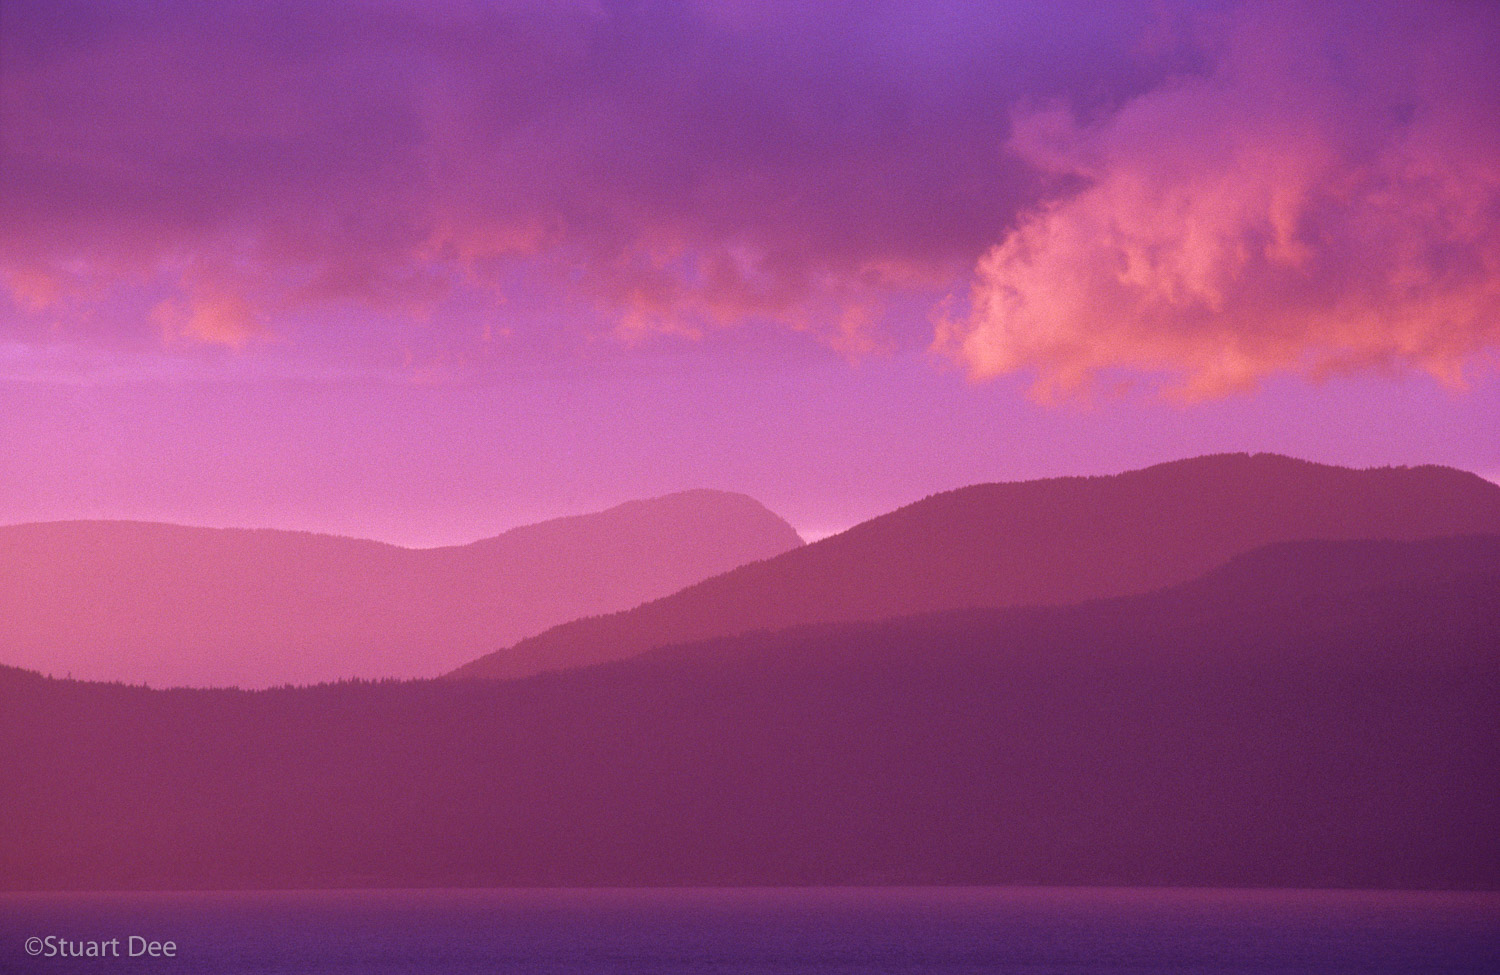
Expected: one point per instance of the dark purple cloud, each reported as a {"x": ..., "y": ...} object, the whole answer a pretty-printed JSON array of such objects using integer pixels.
[{"x": 676, "y": 165}]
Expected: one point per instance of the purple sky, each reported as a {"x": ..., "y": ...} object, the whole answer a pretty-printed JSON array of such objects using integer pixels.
[{"x": 422, "y": 271}]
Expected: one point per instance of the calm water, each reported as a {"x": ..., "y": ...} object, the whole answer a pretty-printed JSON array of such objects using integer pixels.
[{"x": 766, "y": 931}]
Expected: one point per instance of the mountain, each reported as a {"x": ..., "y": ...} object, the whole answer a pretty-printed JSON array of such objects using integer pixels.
[
  {"x": 171, "y": 605},
  {"x": 1047, "y": 542},
  {"x": 1265, "y": 725}
]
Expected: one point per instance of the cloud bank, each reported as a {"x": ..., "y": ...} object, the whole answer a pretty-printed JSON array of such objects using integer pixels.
[
  {"x": 1205, "y": 193},
  {"x": 679, "y": 165}
]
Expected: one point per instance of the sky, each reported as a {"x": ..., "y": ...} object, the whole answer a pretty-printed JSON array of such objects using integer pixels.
[{"x": 422, "y": 271}]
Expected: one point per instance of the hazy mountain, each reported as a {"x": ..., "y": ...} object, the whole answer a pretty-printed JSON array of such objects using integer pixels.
[
  {"x": 172, "y": 605},
  {"x": 1265, "y": 725},
  {"x": 1033, "y": 543}
]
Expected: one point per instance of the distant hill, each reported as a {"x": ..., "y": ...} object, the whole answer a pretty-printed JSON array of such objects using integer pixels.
[
  {"x": 1324, "y": 714},
  {"x": 1043, "y": 542},
  {"x": 177, "y": 606}
]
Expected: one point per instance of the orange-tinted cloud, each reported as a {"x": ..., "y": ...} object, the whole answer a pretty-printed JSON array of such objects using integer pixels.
[
  {"x": 1327, "y": 199},
  {"x": 214, "y": 319}
]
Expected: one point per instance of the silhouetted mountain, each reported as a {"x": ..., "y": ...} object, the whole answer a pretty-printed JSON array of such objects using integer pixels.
[
  {"x": 196, "y": 606},
  {"x": 1335, "y": 736},
  {"x": 1032, "y": 543}
]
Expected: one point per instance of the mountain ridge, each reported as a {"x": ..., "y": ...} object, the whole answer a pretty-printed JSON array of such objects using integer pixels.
[
  {"x": 1344, "y": 739},
  {"x": 1047, "y": 541}
]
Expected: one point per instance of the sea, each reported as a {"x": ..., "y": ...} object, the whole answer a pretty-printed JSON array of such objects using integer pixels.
[{"x": 868, "y": 931}]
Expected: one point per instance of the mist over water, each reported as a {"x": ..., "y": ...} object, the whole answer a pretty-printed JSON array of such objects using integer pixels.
[{"x": 783, "y": 931}]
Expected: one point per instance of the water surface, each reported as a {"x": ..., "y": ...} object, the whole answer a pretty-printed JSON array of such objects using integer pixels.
[{"x": 948, "y": 930}]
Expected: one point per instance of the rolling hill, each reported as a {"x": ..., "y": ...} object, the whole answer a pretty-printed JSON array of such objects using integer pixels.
[{"x": 178, "y": 606}]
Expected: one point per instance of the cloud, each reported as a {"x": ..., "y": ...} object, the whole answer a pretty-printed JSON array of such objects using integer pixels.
[
  {"x": 675, "y": 166},
  {"x": 1203, "y": 192},
  {"x": 223, "y": 319},
  {"x": 1327, "y": 199}
]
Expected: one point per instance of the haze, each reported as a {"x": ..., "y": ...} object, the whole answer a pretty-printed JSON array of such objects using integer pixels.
[{"x": 424, "y": 272}]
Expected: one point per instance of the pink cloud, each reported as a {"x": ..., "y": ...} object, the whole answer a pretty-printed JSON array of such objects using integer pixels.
[
  {"x": 214, "y": 319},
  {"x": 1328, "y": 199}
]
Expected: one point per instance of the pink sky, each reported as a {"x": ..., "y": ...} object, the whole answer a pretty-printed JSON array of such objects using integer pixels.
[{"x": 425, "y": 271}]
